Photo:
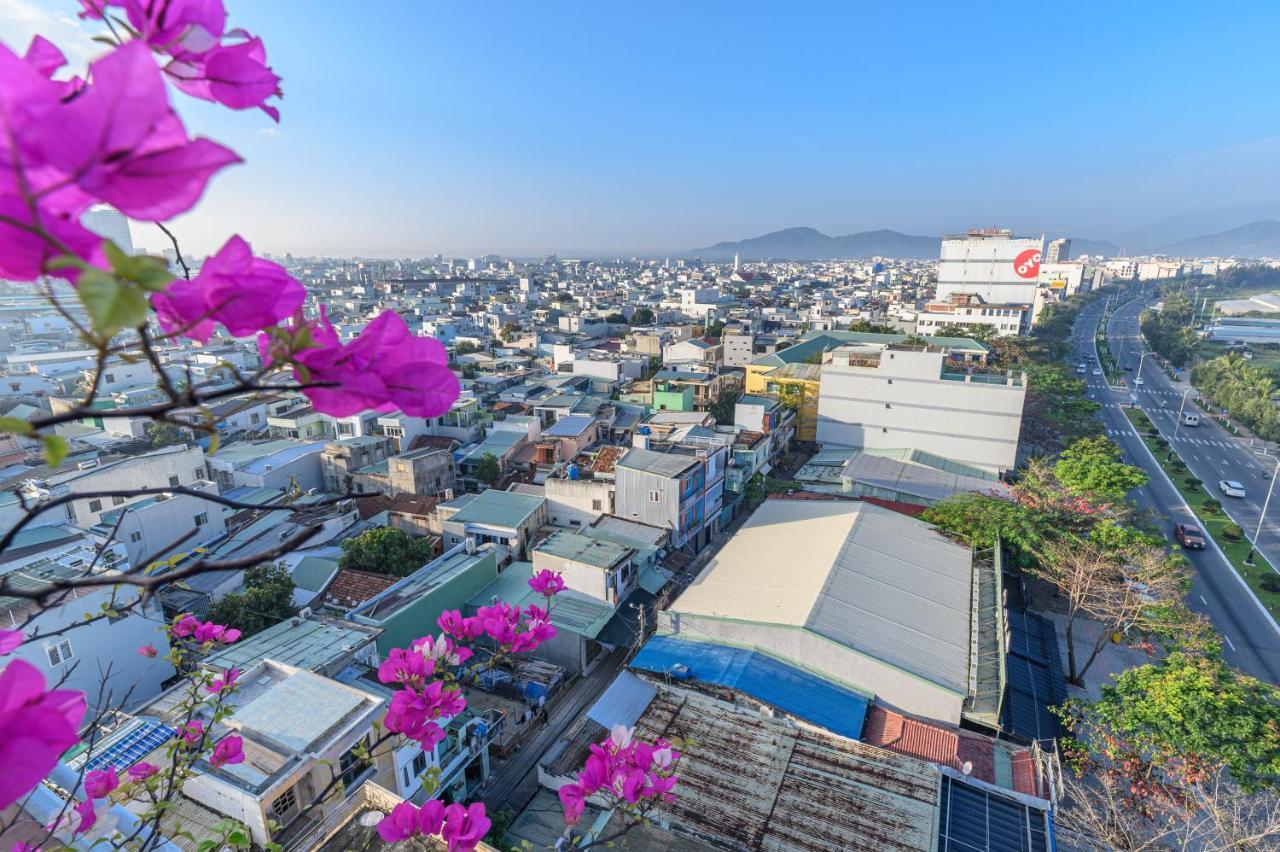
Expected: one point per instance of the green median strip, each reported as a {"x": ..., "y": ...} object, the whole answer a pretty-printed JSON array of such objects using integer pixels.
[{"x": 1212, "y": 519}]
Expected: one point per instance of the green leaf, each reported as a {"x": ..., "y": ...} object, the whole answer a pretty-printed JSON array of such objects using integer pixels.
[
  {"x": 55, "y": 449},
  {"x": 112, "y": 304},
  {"x": 15, "y": 426},
  {"x": 149, "y": 273}
]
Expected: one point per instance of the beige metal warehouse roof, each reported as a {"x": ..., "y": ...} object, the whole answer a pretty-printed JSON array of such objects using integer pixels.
[{"x": 884, "y": 584}]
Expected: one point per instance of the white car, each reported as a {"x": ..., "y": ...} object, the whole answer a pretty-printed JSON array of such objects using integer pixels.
[
  {"x": 1231, "y": 488},
  {"x": 1138, "y": 382},
  {"x": 1097, "y": 371}
]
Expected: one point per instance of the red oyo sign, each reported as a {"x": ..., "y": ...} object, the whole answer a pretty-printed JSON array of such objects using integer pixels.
[{"x": 1027, "y": 263}]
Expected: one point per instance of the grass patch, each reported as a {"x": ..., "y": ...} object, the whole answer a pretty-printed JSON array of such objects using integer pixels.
[{"x": 1212, "y": 522}]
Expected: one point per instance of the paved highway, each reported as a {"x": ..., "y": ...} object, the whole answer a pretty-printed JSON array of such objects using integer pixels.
[{"x": 1252, "y": 638}]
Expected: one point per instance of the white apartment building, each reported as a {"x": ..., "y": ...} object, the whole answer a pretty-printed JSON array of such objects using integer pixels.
[
  {"x": 991, "y": 263},
  {"x": 905, "y": 398},
  {"x": 969, "y": 310},
  {"x": 169, "y": 466}
]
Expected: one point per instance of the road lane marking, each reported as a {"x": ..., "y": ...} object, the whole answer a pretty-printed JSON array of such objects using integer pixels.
[
  {"x": 1228, "y": 638},
  {"x": 1203, "y": 601}
]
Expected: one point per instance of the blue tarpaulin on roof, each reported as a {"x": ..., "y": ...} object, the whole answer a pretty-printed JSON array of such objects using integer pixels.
[{"x": 769, "y": 680}]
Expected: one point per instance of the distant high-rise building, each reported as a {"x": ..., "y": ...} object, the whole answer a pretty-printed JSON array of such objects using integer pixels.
[
  {"x": 109, "y": 224},
  {"x": 1059, "y": 250},
  {"x": 991, "y": 263},
  {"x": 735, "y": 262}
]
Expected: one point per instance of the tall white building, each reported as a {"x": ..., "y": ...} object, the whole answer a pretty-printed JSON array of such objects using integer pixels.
[
  {"x": 991, "y": 263},
  {"x": 906, "y": 398},
  {"x": 110, "y": 224}
]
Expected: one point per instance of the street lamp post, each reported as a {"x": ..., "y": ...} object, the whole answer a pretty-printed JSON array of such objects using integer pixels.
[
  {"x": 1177, "y": 425},
  {"x": 1262, "y": 517}
]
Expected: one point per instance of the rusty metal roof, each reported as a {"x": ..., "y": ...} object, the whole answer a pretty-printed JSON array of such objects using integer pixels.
[{"x": 751, "y": 782}]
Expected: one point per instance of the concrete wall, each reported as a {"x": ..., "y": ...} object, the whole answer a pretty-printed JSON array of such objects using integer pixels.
[
  {"x": 576, "y": 503},
  {"x": 152, "y": 470},
  {"x": 906, "y": 404},
  {"x": 149, "y": 527}
]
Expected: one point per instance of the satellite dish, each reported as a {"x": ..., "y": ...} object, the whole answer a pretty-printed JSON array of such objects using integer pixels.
[{"x": 967, "y": 768}]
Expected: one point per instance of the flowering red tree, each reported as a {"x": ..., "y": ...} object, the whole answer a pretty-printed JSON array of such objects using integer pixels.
[{"x": 111, "y": 136}]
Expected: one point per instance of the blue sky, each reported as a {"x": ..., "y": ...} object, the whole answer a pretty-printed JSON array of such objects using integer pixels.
[{"x": 412, "y": 127}]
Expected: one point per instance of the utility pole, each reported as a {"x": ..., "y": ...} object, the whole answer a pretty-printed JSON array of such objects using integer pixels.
[{"x": 1177, "y": 425}]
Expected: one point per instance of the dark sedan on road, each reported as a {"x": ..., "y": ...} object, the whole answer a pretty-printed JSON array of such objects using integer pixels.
[{"x": 1188, "y": 536}]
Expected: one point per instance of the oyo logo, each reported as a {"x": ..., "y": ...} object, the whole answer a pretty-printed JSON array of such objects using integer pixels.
[{"x": 1027, "y": 263}]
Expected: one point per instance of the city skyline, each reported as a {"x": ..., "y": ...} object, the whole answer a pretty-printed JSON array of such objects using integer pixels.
[{"x": 407, "y": 132}]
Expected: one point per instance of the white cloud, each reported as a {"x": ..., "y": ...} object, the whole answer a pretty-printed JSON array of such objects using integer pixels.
[
  {"x": 270, "y": 131},
  {"x": 20, "y": 20}
]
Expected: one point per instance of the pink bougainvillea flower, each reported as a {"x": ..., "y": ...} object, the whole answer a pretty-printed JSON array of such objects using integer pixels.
[
  {"x": 547, "y": 583},
  {"x": 192, "y": 732},
  {"x": 229, "y": 750},
  {"x": 224, "y": 681},
  {"x": 140, "y": 772},
  {"x": 99, "y": 783},
  {"x": 386, "y": 367},
  {"x": 184, "y": 625},
  {"x": 148, "y": 650},
  {"x": 88, "y": 817},
  {"x": 234, "y": 75},
  {"x": 464, "y": 827},
  {"x": 454, "y": 624},
  {"x": 573, "y": 801},
  {"x": 9, "y": 640},
  {"x": 36, "y": 727},
  {"x": 244, "y": 293},
  {"x": 207, "y": 61},
  {"x": 44, "y": 56},
  {"x": 407, "y": 667},
  {"x": 442, "y": 649},
  {"x": 120, "y": 141},
  {"x": 400, "y": 824},
  {"x": 431, "y": 818}
]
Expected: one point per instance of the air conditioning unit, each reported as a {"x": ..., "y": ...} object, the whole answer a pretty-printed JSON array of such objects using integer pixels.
[{"x": 304, "y": 613}]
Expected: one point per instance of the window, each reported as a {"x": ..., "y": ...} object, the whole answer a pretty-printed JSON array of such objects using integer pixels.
[
  {"x": 350, "y": 767},
  {"x": 284, "y": 803},
  {"x": 109, "y": 377},
  {"x": 135, "y": 536},
  {"x": 254, "y": 418},
  {"x": 173, "y": 481},
  {"x": 655, "y": 496},
  {"x": 596, "y": 505},
  {"x": 95, "y": 505},
  {"x": 117, "y": 500},
  {"x": 420, "y": 763},
  {"x": 201, "y": 519},
  {"x": 59, "y": 652}
]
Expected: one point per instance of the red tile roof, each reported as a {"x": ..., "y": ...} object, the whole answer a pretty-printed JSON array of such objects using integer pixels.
[
  {"x": 413, "y": 504},
  {"x": 946, "y": 746},
  {"x": 352, "y": 588}
]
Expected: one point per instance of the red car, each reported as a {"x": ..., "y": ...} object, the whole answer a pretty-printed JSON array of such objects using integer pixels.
[{"x": 1188, "y": 536}]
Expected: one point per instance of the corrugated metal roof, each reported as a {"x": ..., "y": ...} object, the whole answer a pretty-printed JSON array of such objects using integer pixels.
[
  {"x": 874, "y": 580},
  {"x": 902, "y": 593},
  {"x": 570, "y": 426},
  {"x": 767, "y": 679},
  {"x": 499, "y": 509},
  {"x": 623, "y": 702},
  {"x": 750, "y": 782},
  {"x": 598, "y": 552},
  {"x": 662, "y": 464},
  {"x": 309, "y": 644},
  {"x": 910, "y": 478}
]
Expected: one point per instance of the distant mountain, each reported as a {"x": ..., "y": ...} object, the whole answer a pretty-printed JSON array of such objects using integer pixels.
[
  {"x": 1256, "y": 239},
  {"x": 811, "y": 244}
]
